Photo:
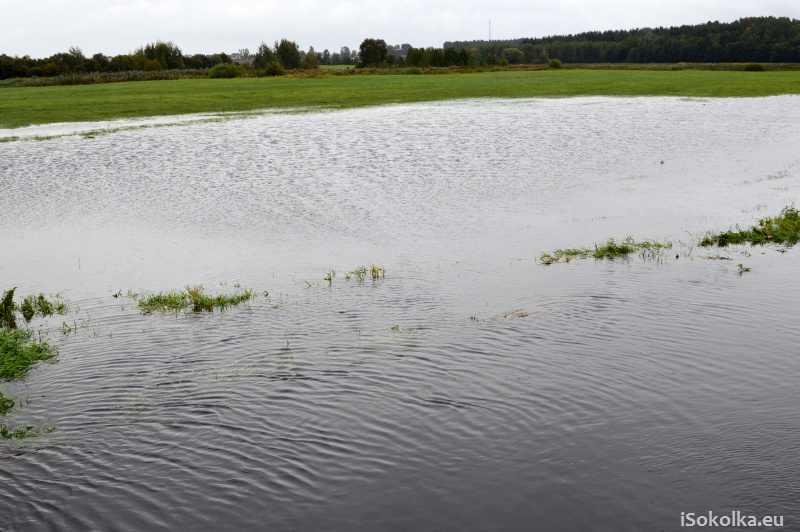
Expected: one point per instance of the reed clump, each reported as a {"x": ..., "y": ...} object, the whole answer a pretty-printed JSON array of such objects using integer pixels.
[{"x": 784, "y": 228}]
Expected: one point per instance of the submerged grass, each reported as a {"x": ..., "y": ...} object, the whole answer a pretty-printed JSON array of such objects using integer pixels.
[
  {"x": 609, "y": 250},
  {"x": 784, "y": 228},
  {"x": 194, "y": 298},
  {"x": 27, "y": 431}
]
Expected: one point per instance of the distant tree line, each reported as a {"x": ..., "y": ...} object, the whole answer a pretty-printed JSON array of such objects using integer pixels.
[
  {"x": 285, "y": 55},
  {"x": 154, "y": 56},
  {"x": 757, "y": 39}
]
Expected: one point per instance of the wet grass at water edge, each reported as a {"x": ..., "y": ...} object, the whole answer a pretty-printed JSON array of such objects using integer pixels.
[
  {"x": 784, "y": 228},
  {"x": 19, "y": 353}
]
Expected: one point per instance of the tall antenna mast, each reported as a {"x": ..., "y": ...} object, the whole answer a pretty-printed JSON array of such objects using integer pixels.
[{"x": 490, "y": 30}]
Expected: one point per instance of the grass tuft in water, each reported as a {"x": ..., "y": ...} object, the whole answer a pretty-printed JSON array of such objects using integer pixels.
[
  {"x": 377, "y": 271},
  {"x": 162, "y": 302},
  {"x": 784, "y": 228},
  {"x": 200, "y": 301},
  {"x": 361, "y": 273},
  {"x": 609, "y": 250},
  {"x": 28, "y": 307},
  {"x": 194, "y": 299}
]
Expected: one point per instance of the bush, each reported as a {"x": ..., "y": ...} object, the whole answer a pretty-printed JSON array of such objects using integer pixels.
[
  {"x": 414, "y": 70},
  {"x": 226, "y": 70},
  {"x": 555, "y": 63},
  {"x": 274, "y": 69},
  {"x": 152, "y": 64},
  {"x": 754, "y": 67}
]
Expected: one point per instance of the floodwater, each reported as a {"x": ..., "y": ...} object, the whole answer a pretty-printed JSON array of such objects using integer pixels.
[{"x": 633, "y": 390}]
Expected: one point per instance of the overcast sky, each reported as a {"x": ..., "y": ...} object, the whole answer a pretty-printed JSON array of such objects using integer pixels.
[{"x": 42, "y": 28}]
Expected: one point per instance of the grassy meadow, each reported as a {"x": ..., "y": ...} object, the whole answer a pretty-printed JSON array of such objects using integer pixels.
[{"x": 22, "y": 106}]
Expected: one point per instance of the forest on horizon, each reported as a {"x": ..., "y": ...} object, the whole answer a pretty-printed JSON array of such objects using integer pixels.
[{"x": 753, "y": 39}]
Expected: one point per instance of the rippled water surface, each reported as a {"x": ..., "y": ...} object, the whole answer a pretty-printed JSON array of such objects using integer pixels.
[{"x": 631, "y": 391}]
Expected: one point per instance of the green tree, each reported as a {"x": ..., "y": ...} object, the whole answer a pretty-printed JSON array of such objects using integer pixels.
[
  {"x": 216, "y": 59},
  {"x": 310, "y": 61},
  {"x": 415, "y": 57},
  {"x": 372, "y": 52},
  {"x": 528, "y": 53},
  {"x": 101, "y": 59},
  {"x": 344, "y": 56},
  {"x": 288, "y": 54},
  {"x": 167, "y": 54},
  {"x": 264, "y": 56},
  {"x": 20, "y": 68},
  {"x": 121, "y": 63},
  {"x": 198, "y": 61}
]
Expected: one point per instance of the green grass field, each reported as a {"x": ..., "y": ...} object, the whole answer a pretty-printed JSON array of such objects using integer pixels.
[{"x": 23, "y": 106}]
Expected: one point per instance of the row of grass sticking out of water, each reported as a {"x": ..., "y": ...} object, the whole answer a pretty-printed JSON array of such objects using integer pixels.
[
  {"x": 608, "y": 250},
  {"x": 192, "y": 299},
  {"x": 360, "y": 273},
  {"x": 29, "y": 307},
  {"x": 784, "y": 228}
]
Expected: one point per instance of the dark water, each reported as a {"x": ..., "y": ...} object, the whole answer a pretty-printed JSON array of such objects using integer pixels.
[{"x": 634, "y": 391}]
